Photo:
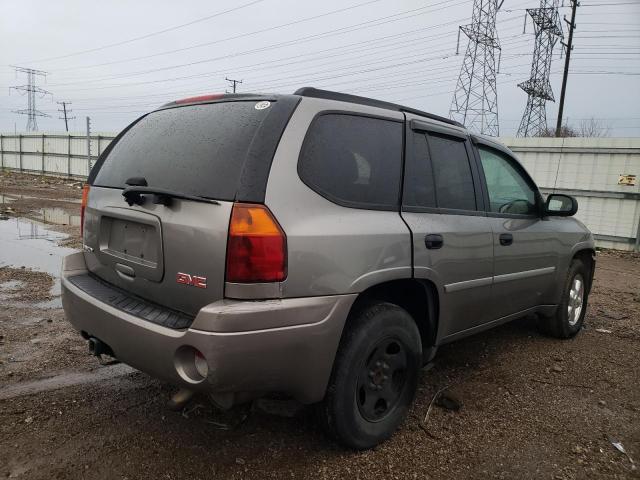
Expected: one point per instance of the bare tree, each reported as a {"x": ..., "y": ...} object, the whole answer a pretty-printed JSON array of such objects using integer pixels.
[
  {"x": 587, "y": 128},
  {"x": 593, "y": 128},
  {"x": 565, "y": 131}
]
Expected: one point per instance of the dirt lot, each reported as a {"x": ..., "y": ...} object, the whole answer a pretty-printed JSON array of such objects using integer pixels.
[{"x": 533, "y": 407}]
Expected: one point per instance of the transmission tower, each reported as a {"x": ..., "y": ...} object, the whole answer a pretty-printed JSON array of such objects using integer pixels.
[
  {"x": 548, "y": 30},
  {"x": 475, "y": 100},
  {"x": 31, "y": 89}
]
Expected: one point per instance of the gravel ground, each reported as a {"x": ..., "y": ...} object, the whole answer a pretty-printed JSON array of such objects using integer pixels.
[{"x": 531, "y": 406}]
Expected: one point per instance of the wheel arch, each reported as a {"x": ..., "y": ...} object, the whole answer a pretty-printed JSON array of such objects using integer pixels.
[
  {"x": 588, "y": 257},
  {"x": 418, "y": 297}
]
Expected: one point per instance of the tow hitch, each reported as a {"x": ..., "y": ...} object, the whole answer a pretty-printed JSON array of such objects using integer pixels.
[{"x": 99, "y": 348}]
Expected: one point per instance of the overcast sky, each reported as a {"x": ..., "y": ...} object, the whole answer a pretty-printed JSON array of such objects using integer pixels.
[{"x": 114, "y": 60}]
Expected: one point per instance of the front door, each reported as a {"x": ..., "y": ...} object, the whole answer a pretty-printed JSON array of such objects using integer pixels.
[
  {"x": 452, "y": 237},
  {"x": 525, "y": 245}
]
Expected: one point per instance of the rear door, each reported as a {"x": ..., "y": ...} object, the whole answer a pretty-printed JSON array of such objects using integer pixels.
[
  {"x": 452, "y": 239},
  {"x": 171, "y": 250},
  {"x": 526, "y": 246}
]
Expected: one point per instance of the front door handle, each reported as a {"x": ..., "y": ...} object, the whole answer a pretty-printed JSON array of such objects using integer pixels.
[
  {"x": 506, "y": 239},
  {"x": 433, "y": 241}
]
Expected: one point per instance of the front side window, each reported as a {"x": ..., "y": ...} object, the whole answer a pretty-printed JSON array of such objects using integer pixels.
[
  {"x": 509, "y": 192},
  {"x": 353, "y": 160}
]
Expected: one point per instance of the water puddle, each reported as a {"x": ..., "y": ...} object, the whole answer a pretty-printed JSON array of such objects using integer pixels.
[{"x": 30, "y": 244}]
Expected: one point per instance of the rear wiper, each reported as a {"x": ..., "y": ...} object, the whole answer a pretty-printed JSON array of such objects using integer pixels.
[{"x": 161, "y": 196}]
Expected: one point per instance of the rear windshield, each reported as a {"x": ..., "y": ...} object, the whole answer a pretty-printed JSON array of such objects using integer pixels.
[{"x": 198, "y": 149}]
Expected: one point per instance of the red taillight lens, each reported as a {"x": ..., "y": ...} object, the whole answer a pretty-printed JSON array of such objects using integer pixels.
[
  {"x": 257, "y": 246},
  {"x": 83, "y": 205}
]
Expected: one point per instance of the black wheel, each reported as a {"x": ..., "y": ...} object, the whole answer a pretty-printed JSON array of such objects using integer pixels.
[
  {"x": 569, "y": 316},
  {"x": 374, "y": 377}
]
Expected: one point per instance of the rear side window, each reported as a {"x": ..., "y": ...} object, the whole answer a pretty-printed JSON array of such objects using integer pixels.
[
  {"x": 353, "y": 160},
  {"x": 419, "y": 190},
  {"x": 451, "y": 173},
  {"x": 198, "y": 149}
]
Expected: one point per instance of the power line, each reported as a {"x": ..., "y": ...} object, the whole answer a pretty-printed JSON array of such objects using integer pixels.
[
  {"x": 148, "y": 35},
  {"x": 234, "y": 37},
  {"x": 30, "y": 89}
]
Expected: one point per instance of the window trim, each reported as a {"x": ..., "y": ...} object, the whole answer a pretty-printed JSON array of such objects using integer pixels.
[
  {"x": 477, "y": 144},
  {"x": 424, "y": 128},
  {"x": 346, "y": 203}
]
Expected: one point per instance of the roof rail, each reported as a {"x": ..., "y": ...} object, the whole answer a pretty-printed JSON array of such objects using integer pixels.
[{"x": 346, "y": 97}]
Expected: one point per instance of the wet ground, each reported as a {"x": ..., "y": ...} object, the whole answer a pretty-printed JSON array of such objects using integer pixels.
[{"x": 532, "y": 407}]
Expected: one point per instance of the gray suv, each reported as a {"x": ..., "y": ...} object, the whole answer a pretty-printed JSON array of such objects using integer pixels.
[{"x": 317, "y": 245}]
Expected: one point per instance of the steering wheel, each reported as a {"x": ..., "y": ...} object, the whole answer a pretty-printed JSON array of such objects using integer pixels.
[{"x": 519, "y": 205}]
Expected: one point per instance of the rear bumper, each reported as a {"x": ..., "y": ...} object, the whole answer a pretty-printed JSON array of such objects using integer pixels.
[{"x": 251, "y": 347}]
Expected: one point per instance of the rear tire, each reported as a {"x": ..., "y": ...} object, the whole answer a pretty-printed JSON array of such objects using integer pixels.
[
  {"x": 374, "y": 378},
  {"x": 567, "y": 321}
]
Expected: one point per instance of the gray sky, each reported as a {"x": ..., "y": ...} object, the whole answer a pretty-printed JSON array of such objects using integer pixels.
[{"x": 397, "y": 50}]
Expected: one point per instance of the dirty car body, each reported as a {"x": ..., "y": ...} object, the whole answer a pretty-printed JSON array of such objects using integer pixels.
[{"x": 230, "y": 241}]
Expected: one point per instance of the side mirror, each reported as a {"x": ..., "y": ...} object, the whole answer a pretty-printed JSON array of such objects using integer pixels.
[{"x": 559, "y": 205}]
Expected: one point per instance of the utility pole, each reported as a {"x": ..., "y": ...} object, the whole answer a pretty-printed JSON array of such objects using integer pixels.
[
  {"x": 233, "y": 83},
  {"x": 88, "y": 145},
  {"x": 475, "y": 100},
  {"x": 31, "y": 89},
  {"x": 66, "y": 113},
  {"x": 569, "y": 46},
  {"x": 548, "y": 30}
]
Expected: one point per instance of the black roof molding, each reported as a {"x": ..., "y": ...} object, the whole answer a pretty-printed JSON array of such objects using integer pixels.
[{"x": 345, "y": 97}]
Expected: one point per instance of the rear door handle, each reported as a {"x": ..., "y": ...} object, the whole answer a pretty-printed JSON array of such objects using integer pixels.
[
  {"x": 506, "y": 239},
  {"x": 433, "y": 241}
]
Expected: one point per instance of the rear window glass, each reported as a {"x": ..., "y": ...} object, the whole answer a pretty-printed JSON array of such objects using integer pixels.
[
  {"x": 353, "y": 160},
  {"x": 199, "y": 149}
]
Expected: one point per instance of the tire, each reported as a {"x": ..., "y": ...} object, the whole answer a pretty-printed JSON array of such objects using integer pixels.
[
  {"x": 567, "y": 321},
  {"x": 374, "y": 377}
]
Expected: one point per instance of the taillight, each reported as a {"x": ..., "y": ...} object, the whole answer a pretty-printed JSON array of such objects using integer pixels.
[
  {"x": 83, "y": 205},
  {"x": 257, "y": 246}
]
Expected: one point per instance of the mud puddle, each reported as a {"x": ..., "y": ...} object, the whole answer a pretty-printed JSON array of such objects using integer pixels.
[
  {"x": 63, "y": 380},
  {"x": 8, "y": 198},
  {"x": 30, "y": 244}
]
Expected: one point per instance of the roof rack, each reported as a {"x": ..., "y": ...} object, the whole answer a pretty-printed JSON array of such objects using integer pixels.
[{"x": 345, "y": 97}]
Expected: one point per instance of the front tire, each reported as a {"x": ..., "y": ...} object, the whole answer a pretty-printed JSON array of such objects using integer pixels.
[
  {"x": 569, "y": 316},
  {"x": 374, "y": 377}
]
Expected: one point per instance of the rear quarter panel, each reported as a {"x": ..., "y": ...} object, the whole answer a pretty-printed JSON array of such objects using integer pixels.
[{"x": 332, "y": 249}]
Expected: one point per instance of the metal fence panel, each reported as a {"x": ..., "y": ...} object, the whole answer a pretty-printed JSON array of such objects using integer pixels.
[
  {"x": 590, "y": 170},
  {"x": 587, "y": 168}
]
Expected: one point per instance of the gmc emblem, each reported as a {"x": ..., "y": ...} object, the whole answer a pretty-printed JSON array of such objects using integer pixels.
[{"x": 193, "y": 280}]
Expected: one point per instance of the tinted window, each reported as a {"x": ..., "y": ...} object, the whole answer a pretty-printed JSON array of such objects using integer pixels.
[
  {"x": 199, "y": 150},
  {"x": 509, "y": 192},
  {"x": 353, "y": 160},
  {"x": 452, "y": 173},
  {"x": 418, "y": 177}
]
